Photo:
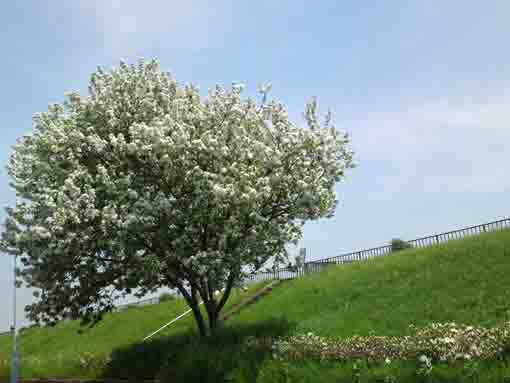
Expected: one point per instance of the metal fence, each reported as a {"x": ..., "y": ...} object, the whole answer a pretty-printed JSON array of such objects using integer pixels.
[{"x": 321, "y": 264}]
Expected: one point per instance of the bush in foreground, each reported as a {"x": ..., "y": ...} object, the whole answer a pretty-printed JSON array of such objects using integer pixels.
[{"x": 447, "y": 342}]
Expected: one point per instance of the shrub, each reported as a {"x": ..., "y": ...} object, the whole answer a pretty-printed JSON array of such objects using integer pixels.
[
  {"x": 447, "y": 342},
  {"x": 398, "y": 244},
  {"x": 165, "y": 297}
]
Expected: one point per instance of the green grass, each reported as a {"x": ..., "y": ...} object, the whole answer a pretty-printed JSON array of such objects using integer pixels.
[
  {"x": 56, "y": 351},
  {"x": 465, "y": 281},
  {"x": 361, "y": 372}
]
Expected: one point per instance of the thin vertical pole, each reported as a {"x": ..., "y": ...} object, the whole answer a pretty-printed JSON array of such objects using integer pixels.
[{"x": 14, "y": 360}]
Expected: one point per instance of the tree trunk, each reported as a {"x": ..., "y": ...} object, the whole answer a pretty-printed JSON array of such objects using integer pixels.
[
  {"x": 213, "y": 307},
  {"x": 202, "y": 330},
  {"x": 195, "y": 307},
  {"x": 192, "y": 301},
  {"x": 213, "y": 316}
]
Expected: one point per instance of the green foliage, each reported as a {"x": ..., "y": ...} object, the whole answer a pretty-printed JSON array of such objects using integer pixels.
[
  {"x": 362, "y": 372},
  {"x": 472, "y": 371},
  {"x": 277, "y": 372},
  {"x": 165, "y": 297},
  {"x": 398, "y": 244}
]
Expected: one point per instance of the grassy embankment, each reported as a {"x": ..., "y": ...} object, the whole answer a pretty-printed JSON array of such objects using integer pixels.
[
  {"x": 465, "y": 281},
  {"x": 70, "y": 350}
]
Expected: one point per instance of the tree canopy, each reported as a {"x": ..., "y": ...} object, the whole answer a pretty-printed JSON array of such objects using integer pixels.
[{"x": 145, "y": 184}]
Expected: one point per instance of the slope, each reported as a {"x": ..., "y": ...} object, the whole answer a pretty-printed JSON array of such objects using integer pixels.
[
  {"x": 63, "y": 350},
  {"x": 465, "y": 281}
]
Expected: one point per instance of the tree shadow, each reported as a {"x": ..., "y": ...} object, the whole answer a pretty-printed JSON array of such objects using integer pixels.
[
  {"x": 186, "y": 357},
  {"x": 4, "y": 375}
]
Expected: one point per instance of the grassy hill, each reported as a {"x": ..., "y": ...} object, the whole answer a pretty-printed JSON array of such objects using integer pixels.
[
  {"x": 64, "y": 351},
  {"x": 465, "y": 281}
]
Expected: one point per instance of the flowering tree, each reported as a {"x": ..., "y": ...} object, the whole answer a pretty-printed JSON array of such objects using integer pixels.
[{"x": 145, "y": 184}]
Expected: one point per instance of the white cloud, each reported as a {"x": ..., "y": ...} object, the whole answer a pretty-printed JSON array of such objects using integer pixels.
[{"x": 440, "y": 146}]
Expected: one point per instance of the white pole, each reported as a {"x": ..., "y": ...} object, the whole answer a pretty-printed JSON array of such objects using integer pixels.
[
  {"x": 14, "y": 360},
  {"x": 169, "y": 323},
  {"x": 175, "y": 319}
]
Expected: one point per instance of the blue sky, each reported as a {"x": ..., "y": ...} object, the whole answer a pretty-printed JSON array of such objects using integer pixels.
[{"x": 422, "y": 87}]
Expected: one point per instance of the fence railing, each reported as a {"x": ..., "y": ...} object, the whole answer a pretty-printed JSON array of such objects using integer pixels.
[{"x": 320, "y": 264}]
